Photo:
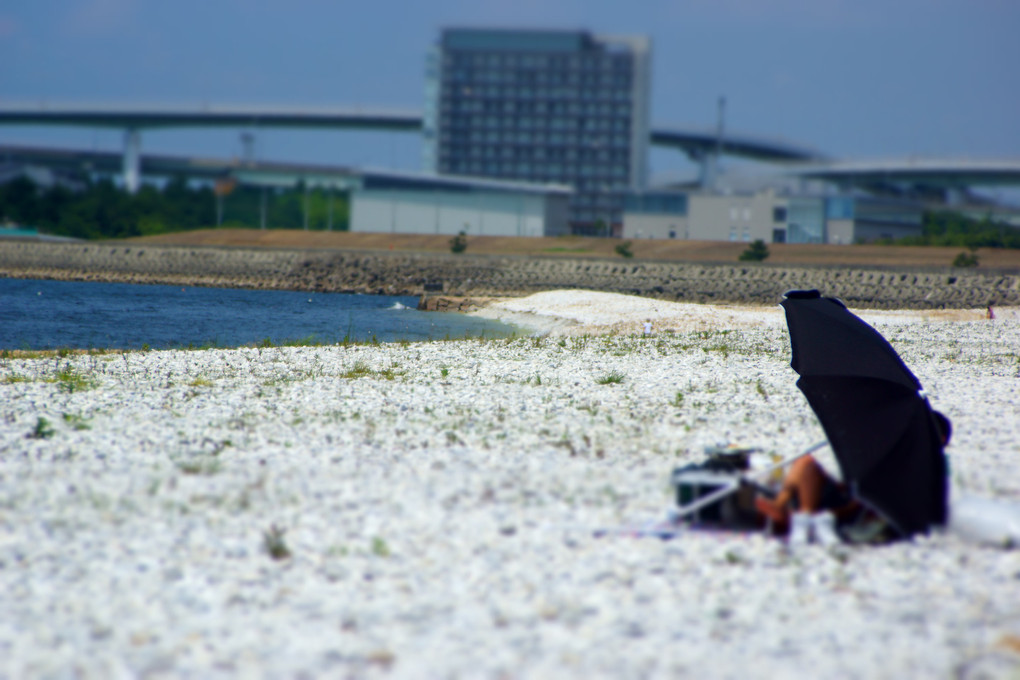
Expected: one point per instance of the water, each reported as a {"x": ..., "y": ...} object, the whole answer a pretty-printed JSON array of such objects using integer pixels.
[{"x": 38, "y": 314}]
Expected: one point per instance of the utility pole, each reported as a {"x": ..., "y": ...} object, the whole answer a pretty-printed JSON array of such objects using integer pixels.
[
  {"x": 306, "y": 206},
  {"x": 719, "y": 132},
  {"x": 330, "y": 207},
  {"x": 248, "y": 148},
  {"x": 263, "y": 211}
]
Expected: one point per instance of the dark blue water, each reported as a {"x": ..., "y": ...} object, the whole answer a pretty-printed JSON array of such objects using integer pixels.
[{"x": 55, "y": 314}]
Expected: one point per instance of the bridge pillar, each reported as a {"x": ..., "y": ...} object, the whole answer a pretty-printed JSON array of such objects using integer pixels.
[
  {"x": 132, "y": 160},
  {"x": 708, "y": 167},
  {"x": 955, "y": 196}
]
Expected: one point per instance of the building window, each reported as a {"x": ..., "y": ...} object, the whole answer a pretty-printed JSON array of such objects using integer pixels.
[{"x": 779, "y": 215}]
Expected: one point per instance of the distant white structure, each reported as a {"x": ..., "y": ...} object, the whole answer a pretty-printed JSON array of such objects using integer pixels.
[
  {"x": 769, "y": 216},
  {"x": 423, "y": 204}
]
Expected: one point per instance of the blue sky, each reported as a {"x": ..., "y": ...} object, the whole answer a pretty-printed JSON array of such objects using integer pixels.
[{"x": 853, "y": 78}]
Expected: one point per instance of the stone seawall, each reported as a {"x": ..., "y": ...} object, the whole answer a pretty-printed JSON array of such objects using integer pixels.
[{"x": 469, "y": 275}]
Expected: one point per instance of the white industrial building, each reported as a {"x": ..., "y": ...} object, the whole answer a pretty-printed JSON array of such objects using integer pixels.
[
  {"x": 770, "y": 216},
  {"x": 428, "y": 204}
]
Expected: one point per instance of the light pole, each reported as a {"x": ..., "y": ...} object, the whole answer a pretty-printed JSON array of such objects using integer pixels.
[
  {"x": 306, "y": 206},
  {"x": 607, "y": 196},
  {"x": 331, "y": 207}
]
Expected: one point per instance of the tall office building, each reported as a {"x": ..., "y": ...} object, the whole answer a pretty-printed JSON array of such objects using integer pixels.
[{"x": 566, "y": 107}]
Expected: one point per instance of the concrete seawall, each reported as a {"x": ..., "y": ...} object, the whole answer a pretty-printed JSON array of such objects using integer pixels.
[{"x": 482, "y": 275}]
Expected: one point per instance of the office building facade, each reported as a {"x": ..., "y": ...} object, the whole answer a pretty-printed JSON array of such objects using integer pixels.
[{"x": 563, "y": 107}]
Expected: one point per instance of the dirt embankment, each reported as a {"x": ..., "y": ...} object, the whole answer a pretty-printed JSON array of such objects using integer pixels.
[{"x": 473, "y": 274}]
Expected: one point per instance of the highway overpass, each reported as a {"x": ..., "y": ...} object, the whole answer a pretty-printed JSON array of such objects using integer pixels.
[
  {"x": 938, "y": 178},
  {"x": 699, "y": 144},
  {"x": 937, "y": 173}
]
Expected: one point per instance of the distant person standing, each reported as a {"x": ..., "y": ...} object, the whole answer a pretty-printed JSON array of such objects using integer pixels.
[{"x": 648, "y": 326}]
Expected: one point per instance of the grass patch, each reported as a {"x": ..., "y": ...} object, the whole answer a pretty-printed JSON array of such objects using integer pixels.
[
  {"x": 50, "y": 353},
  {"x": 563, "y": 249},
  {"x": 76, "y": 421},
  {"x": 205, "y": 467},
  {"x": 379, "y": 547},
  {"x": 274, "y": 543},
  {"x": 310, "y": 341},
  {"x": 611, "y": 378},
  {"x": 70, "y": 381},
  {"x": 360, "y": 369},
  {"x": 42, "y": 430}
]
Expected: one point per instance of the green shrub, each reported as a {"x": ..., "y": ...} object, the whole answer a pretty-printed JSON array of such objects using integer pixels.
[
  {"x": 756, "y": 252},
  {"x": 966, "y": 260},
  {"x": 458, "y": 244},
  {"x": 43, "y": 429},
  {"x": 272, "y": 540},
  {"x": 623, "y": 249}
]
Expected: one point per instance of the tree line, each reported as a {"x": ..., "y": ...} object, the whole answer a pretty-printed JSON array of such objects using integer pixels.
[
  {"x": 101, "y": 209},
  {"x": 947, "y": 228}
]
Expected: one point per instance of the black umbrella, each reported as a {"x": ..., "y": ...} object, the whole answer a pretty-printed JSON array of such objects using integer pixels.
[{"x": 886, "y": 437}]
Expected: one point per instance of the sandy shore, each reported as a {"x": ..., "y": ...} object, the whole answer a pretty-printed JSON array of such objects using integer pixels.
[
  {"x": 584, "y": 312},
  {"x": 432, "y": 507}
]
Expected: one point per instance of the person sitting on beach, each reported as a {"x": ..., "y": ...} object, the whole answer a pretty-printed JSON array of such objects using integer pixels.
[
  {"x": 819, "y": 499},
  {"x": 821, "y": 502}
]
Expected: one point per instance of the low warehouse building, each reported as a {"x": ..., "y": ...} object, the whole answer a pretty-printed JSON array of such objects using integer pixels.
[
  {"x": 424, "y": 204},
  {"x": 769, "y": 216}
]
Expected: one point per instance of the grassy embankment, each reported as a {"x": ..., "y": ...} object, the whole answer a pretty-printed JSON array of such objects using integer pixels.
[{"x": 576, "y": 246}]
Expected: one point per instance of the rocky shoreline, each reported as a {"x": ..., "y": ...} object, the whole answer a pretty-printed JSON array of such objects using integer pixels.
[
  {"x": 472, "y": 509},
  {"x": 479, "y": 276}
]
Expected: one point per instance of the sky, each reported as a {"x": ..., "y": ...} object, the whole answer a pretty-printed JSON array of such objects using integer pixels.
[{"x": 858, "y": 79}]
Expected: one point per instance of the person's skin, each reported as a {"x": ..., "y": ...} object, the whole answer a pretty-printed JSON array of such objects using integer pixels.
[{"x": 805, "y": 480}]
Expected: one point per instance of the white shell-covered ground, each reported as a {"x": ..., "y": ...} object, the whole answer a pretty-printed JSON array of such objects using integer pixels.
[{"x": 432, "y": 509}]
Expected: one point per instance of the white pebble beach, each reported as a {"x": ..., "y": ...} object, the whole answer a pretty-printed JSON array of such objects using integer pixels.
[{"x": 433, "y": 507}]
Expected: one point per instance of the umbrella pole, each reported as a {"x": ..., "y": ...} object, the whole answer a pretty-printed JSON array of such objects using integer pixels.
[{"x": 679, "y": 513}]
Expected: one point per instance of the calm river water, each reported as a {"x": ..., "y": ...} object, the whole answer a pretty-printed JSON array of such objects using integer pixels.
[{"x": 38, "y": 314}]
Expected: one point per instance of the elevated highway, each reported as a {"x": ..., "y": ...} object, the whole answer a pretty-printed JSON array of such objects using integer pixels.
[
  {"x": 927, "y": 172},
  {"x": 935, "y": 177},
  {"x": 698, "y": 144},
  {"x": 137, "y": 118}
]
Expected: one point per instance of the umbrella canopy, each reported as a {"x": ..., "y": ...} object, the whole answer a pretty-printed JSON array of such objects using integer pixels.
[{"x": 884, "y": 433}]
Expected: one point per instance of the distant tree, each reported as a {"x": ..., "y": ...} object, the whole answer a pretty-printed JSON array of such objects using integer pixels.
[
  {"x": 458, "y": 244},
  {"x": 623, "y": 249},
  {"x": 20, "y": 201},
  {"x": 101, "y": 209},
  {"x": 948, "y": 228},
  {"x": 756, "y": 252}
]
